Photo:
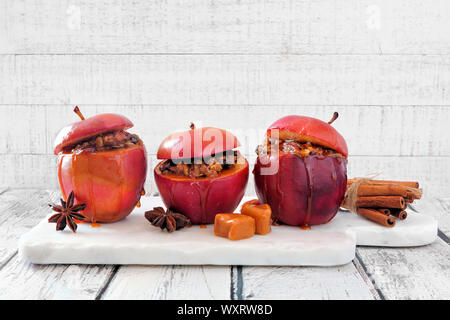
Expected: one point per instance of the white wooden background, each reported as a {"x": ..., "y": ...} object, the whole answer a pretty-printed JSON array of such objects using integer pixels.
[{"x": 384, "y": 65}]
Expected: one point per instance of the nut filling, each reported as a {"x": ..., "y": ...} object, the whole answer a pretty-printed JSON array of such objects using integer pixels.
[
  {"x": 301, "y": 149},
  {"x": 208, "y": 167},
  {"x": 107, "y": 141}
]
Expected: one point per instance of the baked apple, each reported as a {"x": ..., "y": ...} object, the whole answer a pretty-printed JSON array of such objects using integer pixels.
[
  {"x": 301, "y": 170},
  {"x": 103, "y": 164},
  {"x": 201, "y": 174}
]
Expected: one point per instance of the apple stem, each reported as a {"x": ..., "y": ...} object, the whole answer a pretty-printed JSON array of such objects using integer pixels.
[
  {"x": 192, "y": 126},
  {"x": 78, "y": 112},
  {"x": 335, "y": 116}
]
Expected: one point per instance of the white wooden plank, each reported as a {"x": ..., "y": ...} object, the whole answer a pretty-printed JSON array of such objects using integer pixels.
[
  {"x": 409, "y": 273},
  {"x": 20, "y": 210},
  {"x": 286, "y": 283},
  {"x": 25, "y": 281},
  {"x": 23, "y": 129},
  {"x": 170, "y": 282},
  {"x": 28, "y": 171},
  {"x": 225, "y": 26},
  {"x": 366, "y": 128},
  {"x": 443, "y": 209},
  {"x": 225, "y": 79},
  {"x": 39, "y": 171}
]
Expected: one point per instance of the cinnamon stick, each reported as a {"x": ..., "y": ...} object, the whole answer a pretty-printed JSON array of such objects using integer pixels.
[
  {"x": 411, "y": 184},
  {"x": 400, "y": 214},
  {"x": 377, "y": 217},
  {"x": 381, "y": 202},
  {"x": 384, "y": 211},
  {"x": 383, "y": 190}
]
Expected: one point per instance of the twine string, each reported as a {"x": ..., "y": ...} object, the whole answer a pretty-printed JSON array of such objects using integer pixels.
[{"x": 351, "y": 195}]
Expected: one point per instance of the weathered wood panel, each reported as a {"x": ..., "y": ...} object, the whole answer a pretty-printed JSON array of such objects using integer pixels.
[
  {"x": 409, "y": 273},
  {"x": 170, "y": 282},
  {"x": 20, "y": 210},
  {"x": 23, "y": 280},
  {"x": 443, "y": 207},
  {"x": 225, "y": 26},
  {"x": 289, "y": 283},
  {"x": 369, "y": 130},
  {"x": 225, "y": 79}
]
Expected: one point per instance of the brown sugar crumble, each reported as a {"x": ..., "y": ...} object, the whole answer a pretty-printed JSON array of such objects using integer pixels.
[
  {"x": 108, "y": 141},
  {"x": 198, "y": 168}
]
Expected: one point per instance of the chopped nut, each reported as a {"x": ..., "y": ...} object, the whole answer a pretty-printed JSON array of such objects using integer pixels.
[
  {"x": 99, "y": 142},
  {"x": 304, "y": 152},
  {"x": 215, "y": 167},
  {"x": 108, "y": 140}
]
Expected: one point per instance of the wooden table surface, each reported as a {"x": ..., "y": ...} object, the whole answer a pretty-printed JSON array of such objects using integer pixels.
[{"x": 375, "y": 273}]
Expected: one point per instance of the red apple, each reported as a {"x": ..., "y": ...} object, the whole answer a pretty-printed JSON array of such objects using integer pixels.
[
  {"x": 201, "y": 198},
  {"x": 308, "y": 190},
  {"x": 197, "y": 143},
  {"x": 110, "y": 182}
]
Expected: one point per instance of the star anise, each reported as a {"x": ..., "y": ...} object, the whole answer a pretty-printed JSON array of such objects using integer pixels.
[
  {"x": 169, "y": 219},
  {"x": 66, "y": 213}
]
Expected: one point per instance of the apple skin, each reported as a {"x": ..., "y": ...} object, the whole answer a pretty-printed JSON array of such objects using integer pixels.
[
  {"x": 196, "y": 143},
  {"x": 202, "y": 198},
  {"x": 287, "y": 191},
  {"x": 90, "y": 127},
  {"x": 301, "y": 128},
  {"x": 109, "y": 182}
]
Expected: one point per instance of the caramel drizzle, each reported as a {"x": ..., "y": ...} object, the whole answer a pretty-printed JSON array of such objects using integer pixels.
[
  {"x": 310, "y": 191},
  {"x": 203, "y": 193}
]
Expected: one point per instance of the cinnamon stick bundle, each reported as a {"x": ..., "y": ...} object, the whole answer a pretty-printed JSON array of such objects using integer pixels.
[{"x": 381, "y": 201}]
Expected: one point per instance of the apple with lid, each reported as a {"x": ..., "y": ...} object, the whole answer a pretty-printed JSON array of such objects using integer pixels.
[
  {"x": 103, "y": 164},
  {"x": 201, "y": 174},
  {"x": 301, "y": 170}
]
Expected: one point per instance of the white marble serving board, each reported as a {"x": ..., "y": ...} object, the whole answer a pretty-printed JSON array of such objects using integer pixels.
[{"x": 135, "y": 241}]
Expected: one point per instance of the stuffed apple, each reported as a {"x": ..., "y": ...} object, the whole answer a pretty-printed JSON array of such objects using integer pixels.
[
  {"x": 201, "y": 174},
  {"x": 103, "y": 164},
  {"x": 301, "y": 170}
]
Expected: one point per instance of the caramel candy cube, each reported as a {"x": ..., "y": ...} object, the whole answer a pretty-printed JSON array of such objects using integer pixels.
[
  {"x": 234, "y": 226},
  {"x": 261, "y": 213}
]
